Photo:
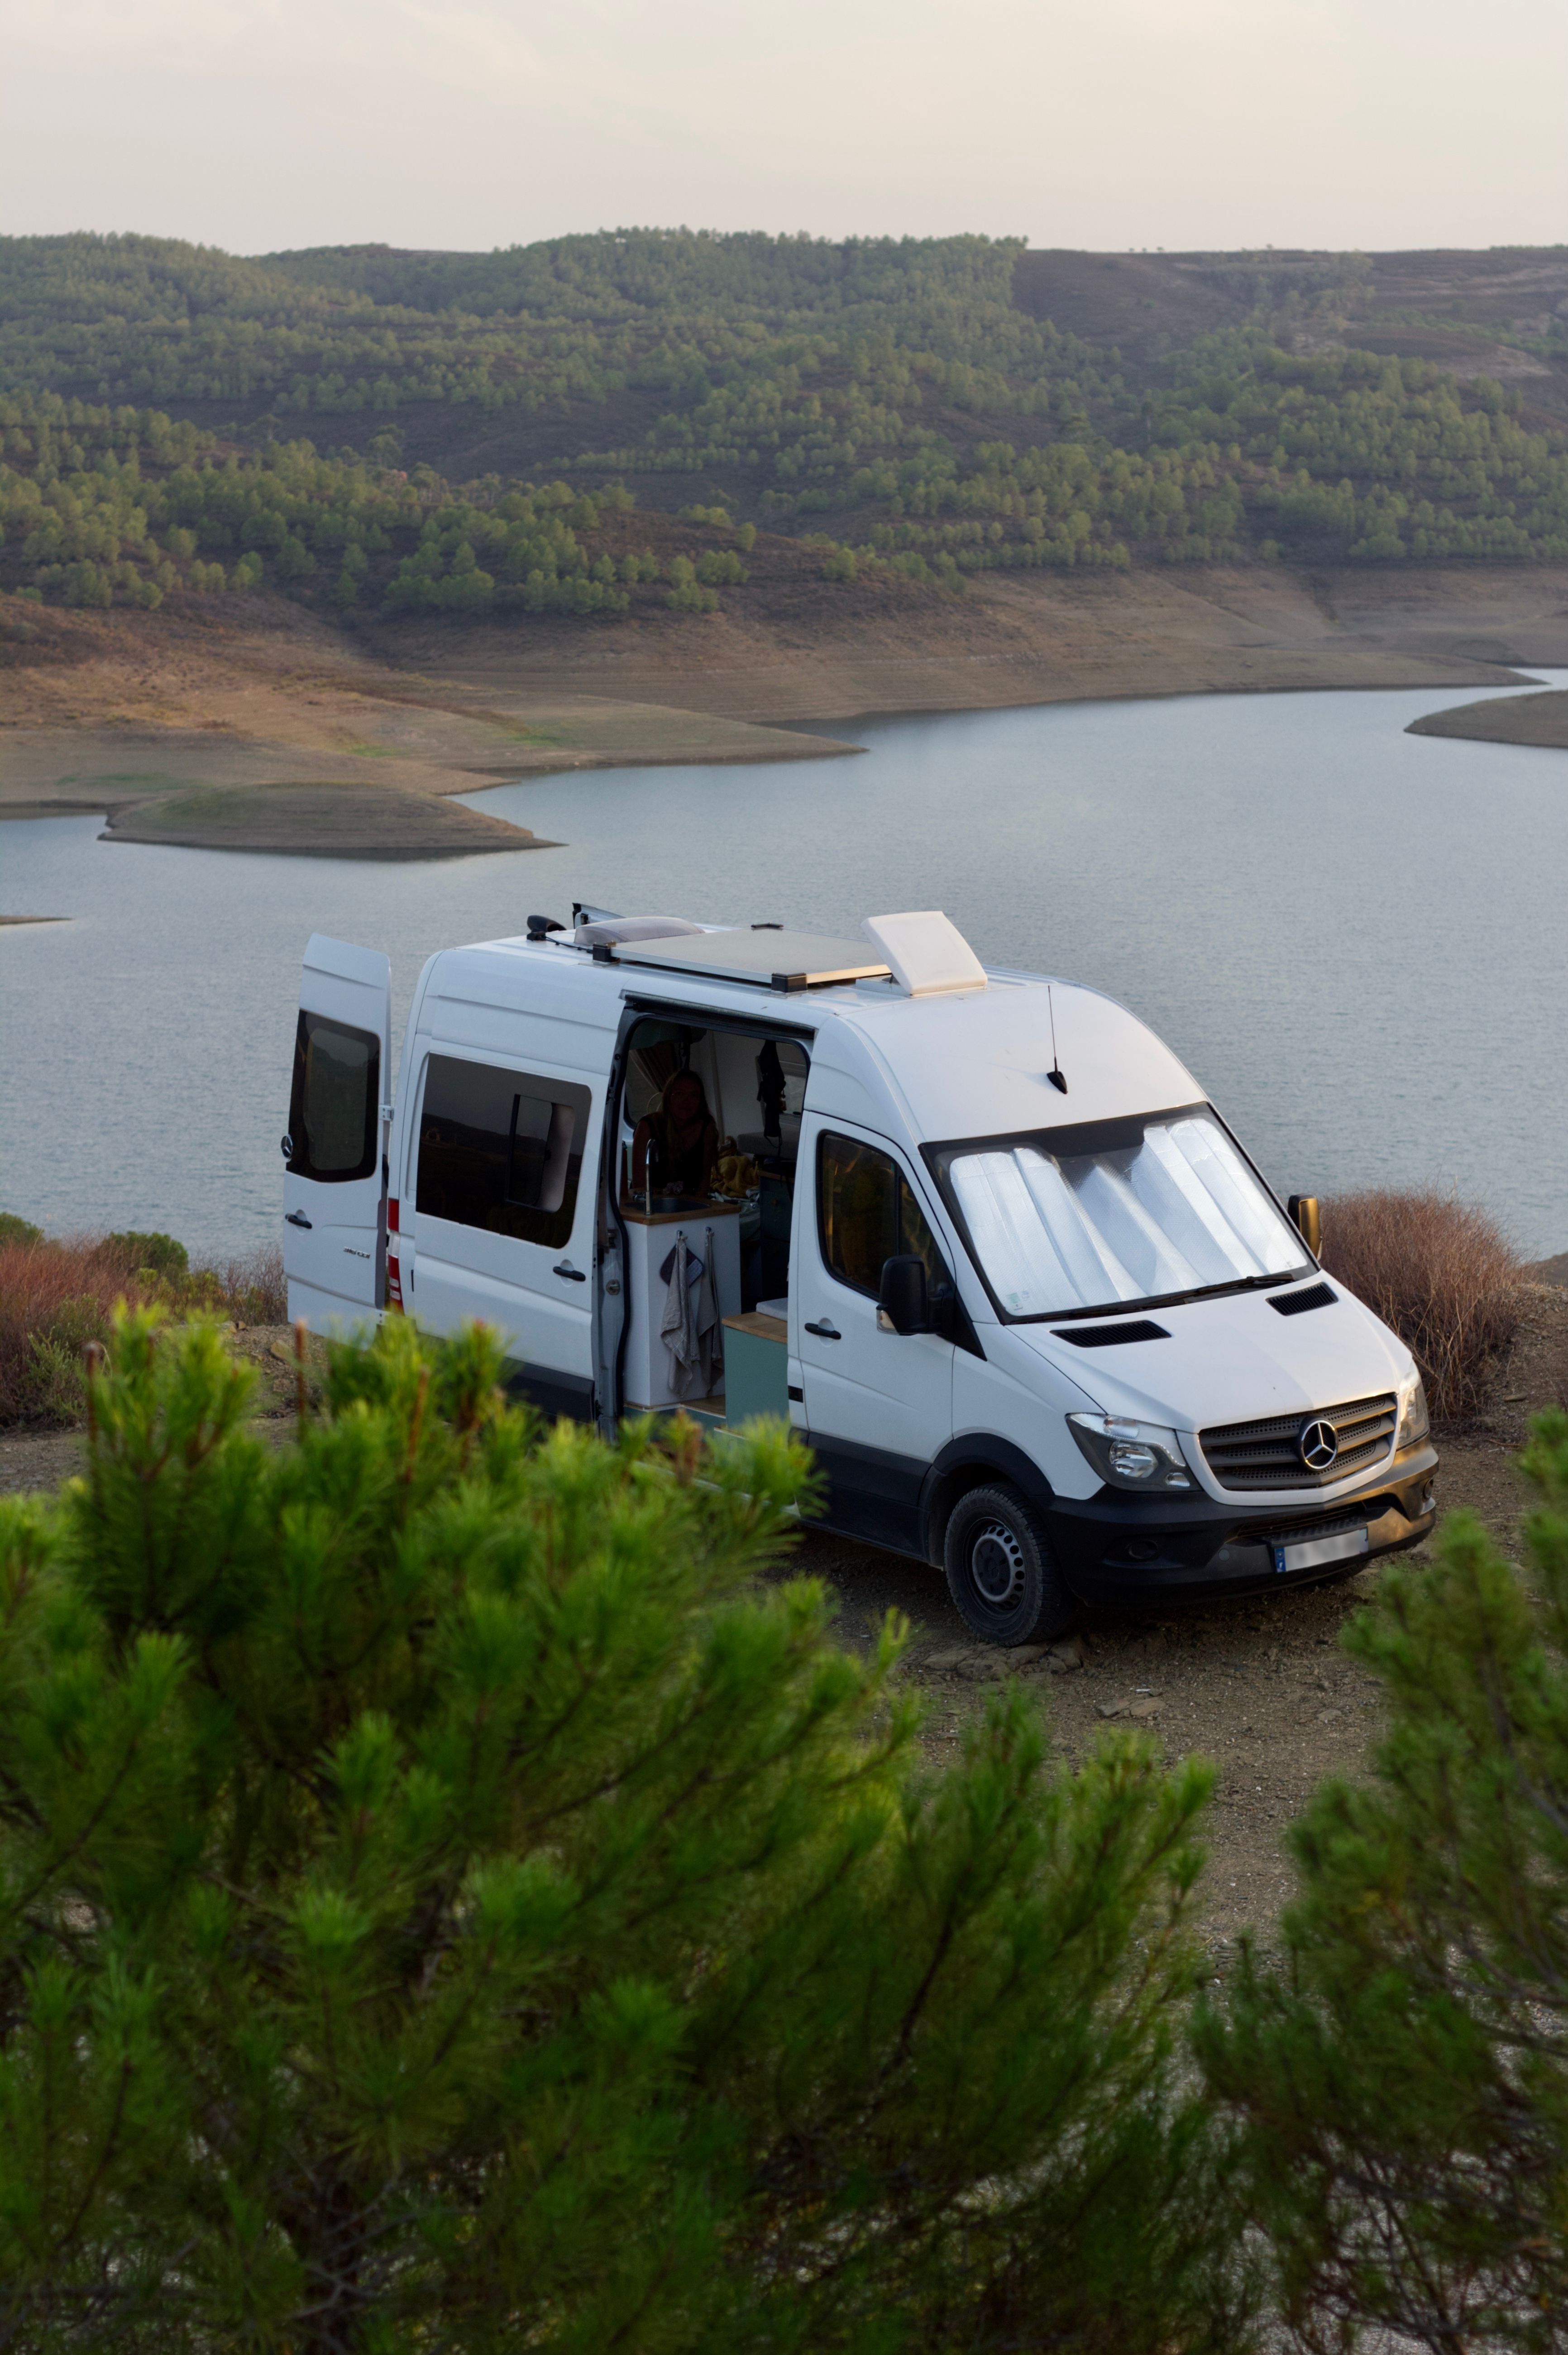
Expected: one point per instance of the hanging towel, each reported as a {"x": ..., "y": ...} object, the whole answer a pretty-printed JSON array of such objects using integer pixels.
[
  {"x": 677, "y": 1325},
  {"x": 710, "y": 1321}
]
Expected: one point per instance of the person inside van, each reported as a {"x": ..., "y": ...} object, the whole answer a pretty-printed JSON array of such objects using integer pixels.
[{"x": 676, "y": 1146}]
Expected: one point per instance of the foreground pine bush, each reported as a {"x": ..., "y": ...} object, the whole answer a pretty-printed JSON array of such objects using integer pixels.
[
  {"x": 1403, "y": 2074},
  {"x": 446, "y": 1904}
]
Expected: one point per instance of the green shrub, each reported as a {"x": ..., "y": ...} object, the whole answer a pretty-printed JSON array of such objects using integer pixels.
[
  {"x": 685, "y": 593},
  {"x": 159, "y": 1253},
  {"x": 444, "y": 1902},
  {"x": 721, "y": 568},
  {"x": 54, "y": 1382},
  {"x": 13, "y": 1230}
]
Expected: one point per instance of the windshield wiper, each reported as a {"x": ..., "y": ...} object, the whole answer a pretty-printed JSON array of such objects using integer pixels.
[{"x": 1163, "y": 1299}]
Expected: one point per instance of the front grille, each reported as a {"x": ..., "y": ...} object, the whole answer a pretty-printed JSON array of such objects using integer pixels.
[
  {"x": 1267, "y": 1454},
  {"x": 1303, "y": 1525}
]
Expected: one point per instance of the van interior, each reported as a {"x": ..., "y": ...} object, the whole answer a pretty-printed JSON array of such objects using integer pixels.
[{"x": 755, "y": 1086}]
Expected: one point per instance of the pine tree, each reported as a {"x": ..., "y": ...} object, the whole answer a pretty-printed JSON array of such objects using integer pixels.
[
  {"x": 448, "y": 1903},
  {"x": 1402, "y": 2073}
]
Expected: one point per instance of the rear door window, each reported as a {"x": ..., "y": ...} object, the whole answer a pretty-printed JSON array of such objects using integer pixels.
[
  {"x": 335, "y": 1101},
  {"x": 501, "y": 1150}
]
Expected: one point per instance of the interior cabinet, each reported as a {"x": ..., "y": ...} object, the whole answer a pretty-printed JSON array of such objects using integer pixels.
[{"x": 711, "y": 1229}]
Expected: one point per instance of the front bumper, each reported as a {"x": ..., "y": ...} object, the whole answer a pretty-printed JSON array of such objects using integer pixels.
[{"x": 1117, "y": 1547}]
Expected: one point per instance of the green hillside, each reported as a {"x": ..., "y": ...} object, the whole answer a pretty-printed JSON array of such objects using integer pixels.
[{"x": 358, "y": 425}]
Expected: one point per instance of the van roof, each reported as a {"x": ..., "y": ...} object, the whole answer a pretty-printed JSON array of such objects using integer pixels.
[{"x": 974, "y": 1063}]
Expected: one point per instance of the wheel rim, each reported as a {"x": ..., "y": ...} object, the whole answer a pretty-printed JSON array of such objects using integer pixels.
[{"x": 997, "y": 1565}]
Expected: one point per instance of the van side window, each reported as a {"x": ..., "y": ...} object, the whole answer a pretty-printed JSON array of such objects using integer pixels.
[
  {"x": 866, "y": 1213},
  {"x": 500, "y": 1150},
  {"x": 335, "y": 1101}
]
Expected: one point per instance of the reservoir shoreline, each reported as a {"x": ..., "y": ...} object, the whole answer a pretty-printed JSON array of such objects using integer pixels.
[{"x": 273, "y": 731}]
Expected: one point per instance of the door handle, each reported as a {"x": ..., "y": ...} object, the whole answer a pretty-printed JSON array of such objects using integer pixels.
[
  {"x": 826, "y": 1332},
  {"x": 572, "y": 1274},
  {"x": 298, "y": 1219}
]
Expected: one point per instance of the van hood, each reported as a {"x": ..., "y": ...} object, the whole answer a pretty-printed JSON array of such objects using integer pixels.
[{"x": 1233, "y": 1359}]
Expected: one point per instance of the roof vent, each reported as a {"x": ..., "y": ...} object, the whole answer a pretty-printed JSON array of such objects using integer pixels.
[{"x": 928, "y": 954}]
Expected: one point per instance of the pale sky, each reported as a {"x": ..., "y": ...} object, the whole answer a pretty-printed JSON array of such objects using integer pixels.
[{"x": 254, "y": 124}]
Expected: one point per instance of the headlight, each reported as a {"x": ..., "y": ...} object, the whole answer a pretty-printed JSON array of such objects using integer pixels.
[
  {"x": 1414, "y": 1423},
  {"x": 1131, "y": 1455}
]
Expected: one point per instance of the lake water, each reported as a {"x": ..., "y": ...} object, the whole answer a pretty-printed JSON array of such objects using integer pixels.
[{"x": 1354, "y": 937}]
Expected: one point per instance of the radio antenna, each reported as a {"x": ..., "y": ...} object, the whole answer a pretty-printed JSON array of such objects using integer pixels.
[{"x": 1055, "y": 1075}]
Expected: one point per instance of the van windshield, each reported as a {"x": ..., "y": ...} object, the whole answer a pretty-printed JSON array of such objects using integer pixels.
[{"x": 1110, "y": 1213}]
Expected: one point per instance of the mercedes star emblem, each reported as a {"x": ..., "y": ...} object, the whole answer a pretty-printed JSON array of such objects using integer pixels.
[{"x": 1319, "y": 1444}]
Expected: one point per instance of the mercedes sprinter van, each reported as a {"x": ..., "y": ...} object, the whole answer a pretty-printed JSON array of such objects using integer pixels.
[{"x": 976, "y": 1234}]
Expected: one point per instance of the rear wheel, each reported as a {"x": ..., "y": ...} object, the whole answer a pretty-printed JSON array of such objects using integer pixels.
[{"x": 1000, "y": 1572}]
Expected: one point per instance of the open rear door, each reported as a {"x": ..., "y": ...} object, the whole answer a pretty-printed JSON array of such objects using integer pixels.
[{"x": 334, "y": 1186}]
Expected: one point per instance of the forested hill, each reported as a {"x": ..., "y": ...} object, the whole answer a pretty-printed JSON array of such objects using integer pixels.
[{"x": 940, "y": 405}]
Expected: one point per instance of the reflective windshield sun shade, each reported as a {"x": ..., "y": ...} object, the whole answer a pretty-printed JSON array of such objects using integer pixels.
[{"x": 1130, "y": 1211}]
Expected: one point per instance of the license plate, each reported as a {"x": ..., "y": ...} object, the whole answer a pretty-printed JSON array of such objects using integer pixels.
[{"x": 1310, "y": 1554}]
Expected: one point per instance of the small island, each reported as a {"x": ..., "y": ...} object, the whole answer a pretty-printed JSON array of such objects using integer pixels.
[
  {"x": 1538, "y": 720},
  {"x": 330, "y": 819}
]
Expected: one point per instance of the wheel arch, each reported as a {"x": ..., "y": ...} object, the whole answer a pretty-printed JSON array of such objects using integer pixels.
[{"x": 970, "y": 1462}]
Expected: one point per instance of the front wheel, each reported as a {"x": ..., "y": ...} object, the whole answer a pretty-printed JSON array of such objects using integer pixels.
[{"x": 1000, "y": 1572}]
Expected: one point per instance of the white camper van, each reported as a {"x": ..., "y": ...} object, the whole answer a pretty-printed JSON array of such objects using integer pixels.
[{"x": 975, "y": 1232}]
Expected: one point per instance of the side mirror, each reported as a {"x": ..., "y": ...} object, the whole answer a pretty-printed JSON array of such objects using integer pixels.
[
  {"x": 901, "y": 1299},
  {"x": 1303, "y": 1215}
]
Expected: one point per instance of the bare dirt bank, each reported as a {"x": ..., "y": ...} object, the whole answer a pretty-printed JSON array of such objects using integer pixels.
[
  {"x": 1538, "y": 720},
  {"x": 1026, "y": 638},
  {"x": 186, "y": 728},
  {"x": 268, "y": 731}
]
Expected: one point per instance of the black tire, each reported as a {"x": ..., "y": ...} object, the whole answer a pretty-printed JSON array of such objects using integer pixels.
[{"x": 1000, "y": 1572}]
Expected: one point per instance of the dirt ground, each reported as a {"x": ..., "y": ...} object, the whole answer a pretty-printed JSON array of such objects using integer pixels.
[{"x": 1260, "y": 1687}]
